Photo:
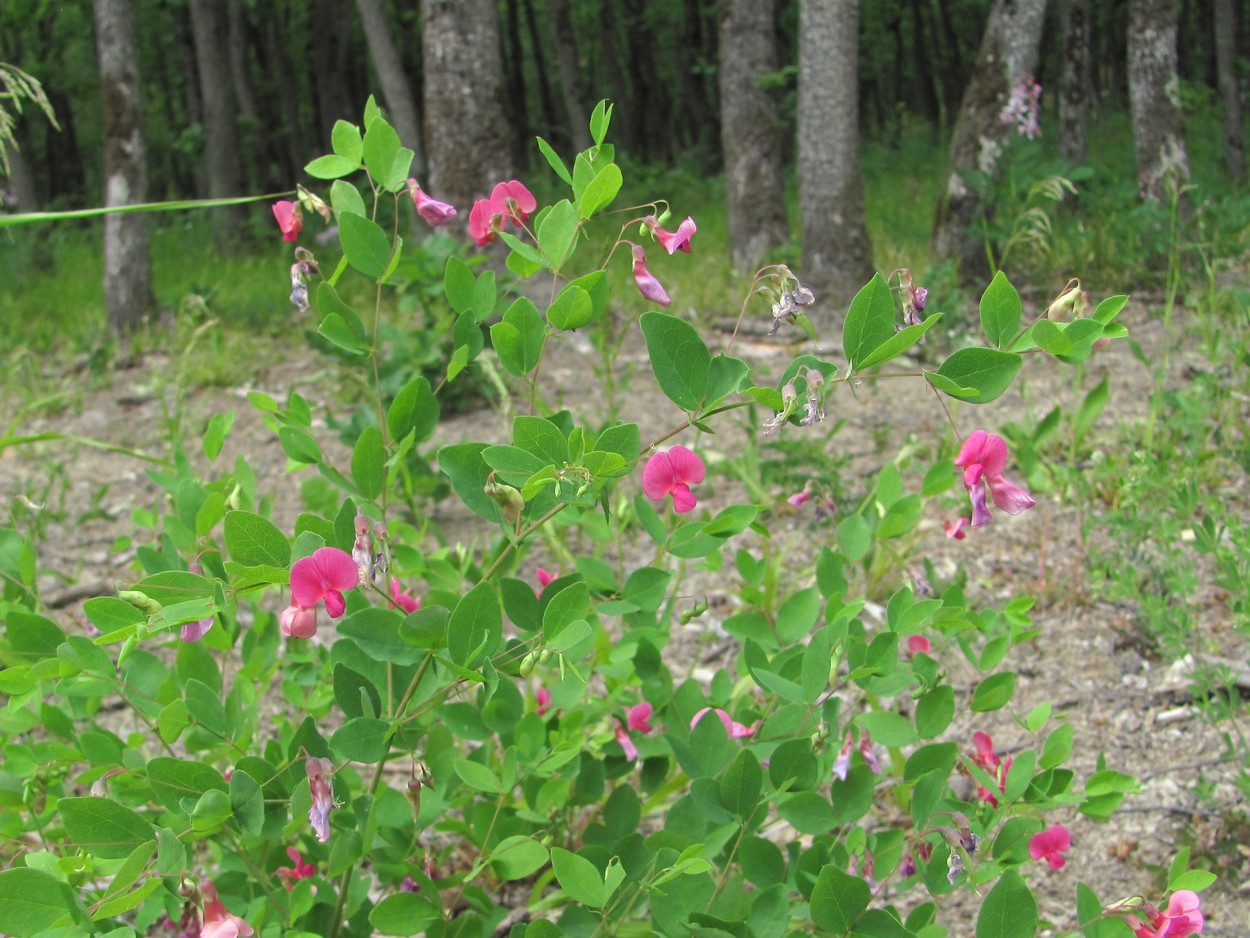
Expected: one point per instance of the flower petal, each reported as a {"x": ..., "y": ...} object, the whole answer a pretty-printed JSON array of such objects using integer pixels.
[
  {"x": 1008, "y": 496},
  {"x": 683, "y": 499},
  {"x": 687, "y": 466},
  {"x": 658, "y": 477},
  {"x": 336, "y": 568}
]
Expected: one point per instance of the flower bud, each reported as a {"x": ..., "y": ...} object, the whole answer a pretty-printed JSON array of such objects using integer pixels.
[
  {"x": 544, "y": 656},
  {"x": 141, "y": 601},
  {"x": 527, "y": 665},
  {"x": 510, "y": 501}
]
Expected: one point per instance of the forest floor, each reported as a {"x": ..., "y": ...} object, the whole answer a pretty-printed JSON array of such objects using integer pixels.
[{"x": 1126, "y": 704}]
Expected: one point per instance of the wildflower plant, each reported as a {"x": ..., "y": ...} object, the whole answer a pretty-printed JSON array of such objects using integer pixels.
[{"x": 462, "y": 753}]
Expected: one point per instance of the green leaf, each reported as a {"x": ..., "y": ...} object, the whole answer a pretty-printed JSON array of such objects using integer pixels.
[
  {"x": 300, "y": 445},
  {"x": 403, "y": 913},
  {"x": 172, "y": 780},
  {"x": 216, "y": 432},
  {"x": 541, "y": 438},
  {"x": 600, "y": 118},
  {"x": 1000, "y": 311},
  {"x": 345, "y": 139},
  {"x": 1009, "y": 911},
  {"x": 344, "y": 197},
  {"x": 377, "y": 632},
  {"x": 247, "y": 803},
  {"x": 898, "y": 343},
  {"x": 477, "y": 776},
  {"x": 518, "y": 339},
  {"x": 554, "y": 161},
  {"x": 365, "y": 245},
  {"x": 368, "y": 462},
  {"x": 336, "y": 330},
  {"x": 578, "y": 877},
  {"x": 557, "y": 232},
  {"x": 838, "y": 899},
  {"x": 878, "y": 923},
  {"x": 994, "y": 692},
  {"x": 572, "y": 309},
  {"x": 869, "y": 321},
  {"x": 797, "y": 615},
  {"x": 104, "y": 828},
  {"x": 741, "y": 784},
  {"x": 989, "y": 371},
  {"x": 463, "y": 464},
  {"x": 887, "y": 727},
  {"x": 1193, "y": 880},
  {"x": 109, "y": 614},
  {"x": 255, "y": 541},
  {"x": 679, "y": 358},
  {"x": 380, "y": 148},
  {"x": 934, "y": 711},
  {"x": 331, "y": 167},
  {"x": 475, "y": 627},
  {"x": 459, "y": 284},
  {"x": 601, "y": 191},
  {"x": 1091, "y": 407},
  {"x": 32, "y": 902},
  {"x": 363, "y": 739},
  {"x": 517, "y": 857},
  {"x": 415, "y": 410},
  {"x": 1057, "y": 748}
]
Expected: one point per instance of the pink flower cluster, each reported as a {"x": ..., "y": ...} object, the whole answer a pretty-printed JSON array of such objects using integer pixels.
[
  {"x": 637, "y": 720},
  {"x": 671, "y": 241},
  {"x": 983, "y": 755},
  {"x": 1050, "y": 844},
  {"x": 509, "y": 202},
  {"x": 319, "y": 578},
  {"x": 1182, "y": 918}
]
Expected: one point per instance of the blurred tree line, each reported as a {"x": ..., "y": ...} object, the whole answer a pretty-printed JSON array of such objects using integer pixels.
[{"x": 235, "y": 96}]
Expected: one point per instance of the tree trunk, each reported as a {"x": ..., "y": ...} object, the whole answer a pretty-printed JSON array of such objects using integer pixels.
[
  {"x": 396, "y": 91},
  {"x": 464, "y": 115},
  {"x": 223, "y": 167},
  {"x": 1154, "y": 96},
  {"x": 1008, "y": 55},
  {"x": 332, "y": 68},
  {"x": 571, "y": 84},
  {"x": 1075, "y": 86},
  {"x": 127, "y": 264},
  {"x": 837, "y": 255},
  {"x": 252, "y": 132},
  {"x": 550, "y": 117},
  {"x": 21, "y": 183},
  {"x": 514, "y": 85},
  {"x": 1226, "y": 64},
  {"x": 750, "y": 133}
]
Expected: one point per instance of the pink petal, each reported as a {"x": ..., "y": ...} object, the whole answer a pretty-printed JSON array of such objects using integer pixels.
[
  {"x": 1008, "y": 496},
  {"x": 985, "y": 749},
  {"x": 917, "y": 644},
  {"x": 336, "y": 605},
  {"x": 482, "y": 222},
  {"x": 687, "y": 466},
  {"x": 336, "y": 568},
  {"x": 637, "y": 716},
  {"x": 648, "y": 286},
  {"x": 681, "y": 238},
  {"x": 970, "y": 452},
  {"x": 980, "y": 513},
  {"x": 955, "y": 531},
  {"x": 658, "y": 477},
  {"x": 622, "y": 737},
  {"x": 683, "y": 499},
  {"x": 994, "y": 455},
  {"x": 298, "y": 622},
  {"x": 288, "y": 218}
]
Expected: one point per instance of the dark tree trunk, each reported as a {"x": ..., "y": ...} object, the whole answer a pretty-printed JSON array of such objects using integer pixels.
[
  {"x": 223, "y": 167},
  {"x": 751, "y": 133},
  {"x": 571, "y": 84},
  {"x": 1074, "y": 81},
  {"x": 1154, "y": 95},
  {"x": 331, "y": 64},
  {"x": 127, "y": 264},
  {"x": 1008, "y": 55},
  {"x": 251, "y": 131},
  {"x": 465, "y": 125},
  {"x": 396, "y": 90},
  {"x": 514, "y": 86},
  {"x": 837, "y": 255},
  {"x": 954, "y": 72},
  {"x": 1226, "y": 57},
  {"x": 930, "y": 104},
  {"x": 64, "y": 155},
  {"x": 648, "y": 113},
  {"x": 550, "y": 113}
]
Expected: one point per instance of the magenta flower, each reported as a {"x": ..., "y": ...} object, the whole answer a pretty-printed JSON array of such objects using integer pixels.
[
  {"x": 983, "y": 458},
  {"x": 543, "y": 577},
  {"x": 543, "y": 698},
  {"x": 322, "y": 792},
  {"x": 509, "y": 202},
  {"x": 1049, "y": 844},
  {"x": 622, "y": 737},
  {"x": 298, "y": 622},
  {"x": 672, "y": 241},
  {"x": 637, "y": 716},
  {"x": 290, "y": 220},
  {"x": 324, "y": 576},
  {"x": 799, "y": 499},
  {"x": 648, "y": 286},
  {"x": 298, "y": 870},
  {"x": 218, "y": 922},
  {"x": 865, "y": 750},
  {"x": 432, "y": 210},
  {"x": 1182, "y": 918},
  {"x": 482, "y": 222},
  {"x": 955, "y": 530},
  {"x": 842, "y": 764},
  {"x": 917, "y": 644},
  {"x": 403, "y": 599},
  {"x": 984, "y": 756},
  {"x": 672, "y": 473},
  {"x": 733, "y": 729}
]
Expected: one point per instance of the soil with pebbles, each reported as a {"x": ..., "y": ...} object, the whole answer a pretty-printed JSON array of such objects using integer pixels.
[{"x": 1090, "y": 661}]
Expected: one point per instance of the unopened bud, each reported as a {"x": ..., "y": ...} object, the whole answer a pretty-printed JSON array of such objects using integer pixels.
[
  {"x": 544, "y": 656},
  {"x": 527, "y": 665},
  {"x": 510, "y": 501},
  {"x": 1068, "y": 304},
  {"x": 140, "y": 601}
]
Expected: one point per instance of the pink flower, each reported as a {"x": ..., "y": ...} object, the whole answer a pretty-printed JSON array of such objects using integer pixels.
[
  {"x": 622, "y": 737},
  {"x": 543, "y": 577},
  {"x": 637, "y": 716},
  {"x": 985, "y": 757},
  {"x": 322, "y": 792},
  {"x": 323, "y": 576},
  {"x": 870, "y": 757},
  {"x": 543, "y": 698},
  {"x": 218, "y": 922},
  {"x": 917, "y": 644},
  {"x": 432, "y": 210},
  {"x": 648, "y": 286},
  {"x": 1180, "y": 919},
  {"x": 842, "y": 764},
  {"x": 509, "y": 202},
  {"x": 983, "y": 458},
  {"x": 672, "y": 473},
  {"x": 673, "y": 241},
  {"x": 299, "y": 869},
  {"x": 403, "y": 599},
  {"x": 1049, "y": 844},
  {"x": 955, "y": 531},
  {"x": 297, "y": 621},
  {"x": 482, "y": 219},
  {"x": 734, "y": 730},
  {"x": 799, "y": 499},
  {"x": 290, "y": 220}
]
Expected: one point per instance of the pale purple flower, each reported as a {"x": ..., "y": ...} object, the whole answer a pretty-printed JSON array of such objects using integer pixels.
[{"x": 319, "y": 786}]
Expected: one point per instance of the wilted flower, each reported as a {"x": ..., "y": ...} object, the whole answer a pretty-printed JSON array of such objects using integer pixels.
[
  {"x": 955, "y": 529},
  {"x": 290, "y": 219},
  {"x": 1049, "y": 844},
  {"x": 842, "y": 764},
  {"x": 1071, "y": 304},
  {"x": 322, "y": 792},
  {"x": 648, "y": 286},
  {"x": 218, "y": 922},
  {"x": 672, "y": 473},
  {"x": 432, "y": 210},
  {"x": 672, "y": 241},
  {"x": 324, "y": 576},
  {"x": 733, "y": 729},
  {"x": 1182, "y": 918},
  {"x": 983, "y": 458},
  {"x": 866, "y": 750},
  {"x": 799, "y": 499}
]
